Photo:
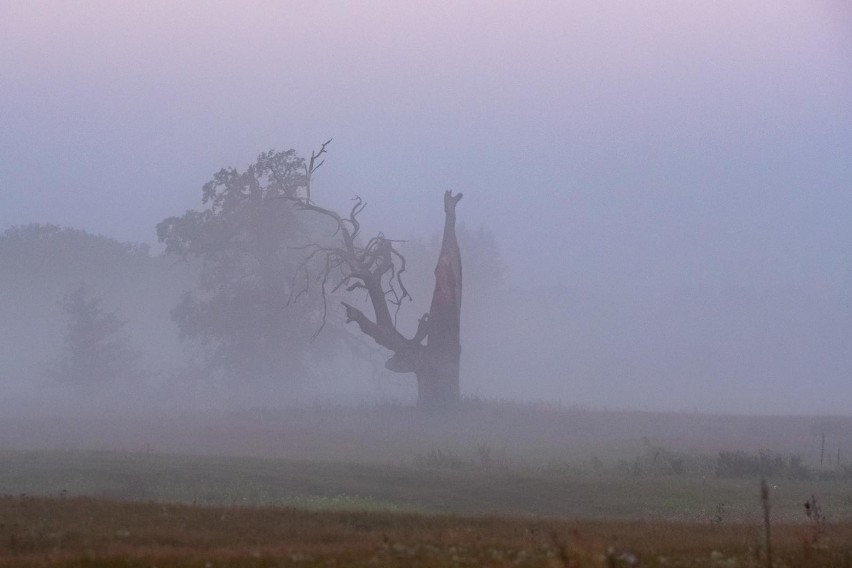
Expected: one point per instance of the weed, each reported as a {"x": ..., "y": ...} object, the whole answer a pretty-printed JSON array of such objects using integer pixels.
[
  {"x": 720, "y": 514},
  {"x": 97, "y": 533},
  {"x": 814, "y": 538},
  {"x": 764, "y": 502}
]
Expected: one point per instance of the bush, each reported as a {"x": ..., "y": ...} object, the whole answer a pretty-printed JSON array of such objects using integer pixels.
[{"x": 764, "y": 463}]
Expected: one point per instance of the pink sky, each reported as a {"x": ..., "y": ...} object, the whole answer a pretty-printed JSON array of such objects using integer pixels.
[{"x": 632, "y": 149}]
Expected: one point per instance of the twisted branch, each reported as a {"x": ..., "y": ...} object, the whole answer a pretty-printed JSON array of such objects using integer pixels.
[{"x": 375, "y": 267}]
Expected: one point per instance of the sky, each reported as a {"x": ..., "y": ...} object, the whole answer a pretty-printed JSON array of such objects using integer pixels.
[{"x": 637, "y": 151}]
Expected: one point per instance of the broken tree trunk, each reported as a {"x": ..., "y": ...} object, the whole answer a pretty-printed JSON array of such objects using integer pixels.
[
  {"x": 373, "y": 267},
  {"x": 438, "y": 370}
]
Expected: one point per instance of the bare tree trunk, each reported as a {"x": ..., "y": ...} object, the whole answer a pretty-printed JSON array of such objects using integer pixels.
[
  {"x": 377, "y": 267},
  {"x": 438, "y": 371}
]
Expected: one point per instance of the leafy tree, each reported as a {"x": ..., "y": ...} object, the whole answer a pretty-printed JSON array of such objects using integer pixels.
[
  {"x": 97, "y": 350},
  {"x": 42, "y": 263},
  {"x": 62, "y": 256},
  {"x": 244, "y": 239}
]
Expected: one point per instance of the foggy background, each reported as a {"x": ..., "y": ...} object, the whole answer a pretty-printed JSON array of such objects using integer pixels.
[{"x": 669, "y": 184}]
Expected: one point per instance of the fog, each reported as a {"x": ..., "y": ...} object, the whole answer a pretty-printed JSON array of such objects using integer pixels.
[{"x": 668, "y": 185}]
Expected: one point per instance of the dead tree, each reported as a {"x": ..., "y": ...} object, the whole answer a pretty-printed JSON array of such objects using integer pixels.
[
  {"x": 438, "y": 373},
  {"x": 433, "y": 352}
]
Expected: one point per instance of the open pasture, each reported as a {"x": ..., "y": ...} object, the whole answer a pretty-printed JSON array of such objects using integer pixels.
[
  {"x": 515, "y": 434},
  {"x": 498, "y": 485},
  {"x": 432, "y": 487}
]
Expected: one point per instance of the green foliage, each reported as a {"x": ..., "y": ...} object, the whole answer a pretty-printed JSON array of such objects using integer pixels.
[
  {"x": 246, "y": 239},
  {"x": 97, "y": 350}
]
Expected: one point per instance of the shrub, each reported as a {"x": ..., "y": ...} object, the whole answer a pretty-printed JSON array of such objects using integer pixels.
[{"x": 764, "y": 463}]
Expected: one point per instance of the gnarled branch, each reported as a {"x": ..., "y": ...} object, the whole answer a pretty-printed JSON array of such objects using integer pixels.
[{"x": 376, "y": 267}]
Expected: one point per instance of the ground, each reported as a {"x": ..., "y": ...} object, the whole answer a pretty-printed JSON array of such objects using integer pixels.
[
  {"x": 490, "y": 484},
  {"x": 95, "y": 532}
]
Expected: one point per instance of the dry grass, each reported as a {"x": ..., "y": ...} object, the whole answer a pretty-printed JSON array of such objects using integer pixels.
[
  {"x": 482, "y": 487},
  {"x": 92, "y": 533}
]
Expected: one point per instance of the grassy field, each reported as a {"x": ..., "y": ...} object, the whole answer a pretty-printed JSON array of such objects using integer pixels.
[
  {"x": 78, "y": 532},
  {"x": 532, "y": 435},
  {"x": 495, "y": 485},
  {"x": 456, "y": 488}
]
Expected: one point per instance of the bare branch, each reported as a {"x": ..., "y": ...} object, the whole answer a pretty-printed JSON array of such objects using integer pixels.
[
  {"x": 399, "y": 272},
  {"x": 384, "y": 336},
  {"x": 371, "y": 267},
  {"x": 422, "y": 328},
  {"x": 346, "y": 279},
  {"x": 312, "y": 167},
  {"x": 353, "y": 214},
  {"x": 324, "y": 299},
  {"x": 293, "y": 299}
]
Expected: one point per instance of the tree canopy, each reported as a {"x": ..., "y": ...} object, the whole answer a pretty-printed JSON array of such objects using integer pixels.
[
  {"x": 97, "y": 349},
  {"x": 246, "y": 239}
]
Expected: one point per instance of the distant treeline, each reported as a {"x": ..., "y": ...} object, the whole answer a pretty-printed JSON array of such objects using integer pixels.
[{"x": 68, "y": 295}]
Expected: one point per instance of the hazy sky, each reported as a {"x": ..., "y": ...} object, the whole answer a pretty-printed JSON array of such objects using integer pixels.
[
  {"x": 633, "y": 140},
  {"x": 630, "y": 147}
]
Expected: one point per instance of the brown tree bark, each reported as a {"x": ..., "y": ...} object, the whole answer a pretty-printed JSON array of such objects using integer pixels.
[
  {"x": 435, "y": 364},
  {"x": 376, "y": 267},
  {"x": 438, "y": 371}
]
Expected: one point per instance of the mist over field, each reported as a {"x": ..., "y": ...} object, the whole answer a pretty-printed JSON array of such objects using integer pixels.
[
  {"x": 509, "y": 284},
  {"x": 657, "y": 207}
]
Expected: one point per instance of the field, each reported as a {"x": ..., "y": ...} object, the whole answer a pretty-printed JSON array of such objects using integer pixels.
[
  {"x": 90, "y": 532},
  {"x": 491, "y": 484}
]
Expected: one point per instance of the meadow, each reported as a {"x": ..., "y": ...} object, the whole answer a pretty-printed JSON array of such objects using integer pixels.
[
  {"x": 489, "y": 484},
  {"x": 103, "y": 533}
]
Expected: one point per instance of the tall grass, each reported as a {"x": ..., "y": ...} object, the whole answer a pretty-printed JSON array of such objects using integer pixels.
[{"x": 96, "y": 533}]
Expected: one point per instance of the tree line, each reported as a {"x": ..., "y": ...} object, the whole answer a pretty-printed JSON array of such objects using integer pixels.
[{"x": 258, "y": 284}]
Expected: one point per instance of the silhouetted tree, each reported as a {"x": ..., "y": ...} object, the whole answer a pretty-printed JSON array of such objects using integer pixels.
[
  {"x": 377, "y": 266},
  {"x": 62, "y": 256},
  {"x": 97, "y": 350},
  {"x": 243, "y": 238},
  {"x": 42, "y": 263}
]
